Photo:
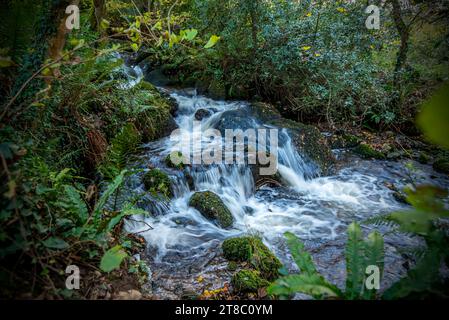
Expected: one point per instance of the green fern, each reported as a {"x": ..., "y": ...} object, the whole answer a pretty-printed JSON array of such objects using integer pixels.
[
  {"x": 355, "y": 262},
  {"x": 359, "y": 255}
]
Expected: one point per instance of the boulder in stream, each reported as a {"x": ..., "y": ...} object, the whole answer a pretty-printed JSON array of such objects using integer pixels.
[
  {"x": 248, "y": 281},
  {"x": 157, "y": 181},
  {"x": 251, "y": 249},
  {"x": 309, "y": 142},
  {"x": 212, "y": 207}
]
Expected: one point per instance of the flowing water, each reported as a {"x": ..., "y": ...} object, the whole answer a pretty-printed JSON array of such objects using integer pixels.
[{"x": 183, "y": 244}]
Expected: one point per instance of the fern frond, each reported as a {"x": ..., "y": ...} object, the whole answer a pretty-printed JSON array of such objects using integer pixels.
[
  {"x": 313, "y": 285},
  {"x": 419, "y": 279},
  {"x": 374, "y": 256},
  {"x": 301, "y": 257},
  {"x": 355, "y": 262}
]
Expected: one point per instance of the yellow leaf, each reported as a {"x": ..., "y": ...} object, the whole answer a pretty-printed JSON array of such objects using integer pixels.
[
  {"x": 317, "y": 54},
  {"x": 212, "y": 41},
  {"x": 309, "y": 14},
  {"x": 341, "y": 10},
  {"x": 306, "y": 48}
]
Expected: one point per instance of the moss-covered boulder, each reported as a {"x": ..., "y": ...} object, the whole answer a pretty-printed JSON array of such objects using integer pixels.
[
  {"x": 367, "y": 152},
  {"x": 212, "y": 207},
  {"x": 248, "y": 281},
  {"x": 264, "y": 112},
  {"x": 252, "y": 250},
  {"x": 175, "y": 160},
  {"x": 154, "y": 117},
  {"x": 309, "y": 141},
  {"x": 441, "y": 165},
  {"x": 157, "y": 182}
]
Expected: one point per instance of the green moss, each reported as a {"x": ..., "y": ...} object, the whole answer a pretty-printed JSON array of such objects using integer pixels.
[
  {"x": 252, "y": 250},
  {"x": 423, "y": 158},
  {"x": 169, "y": 162},
  {"x": 212, "y": 207},
  {"x": 367, "y": 152},
  {"x": 248, "y": 281},
  {"x": 441, "y": 165},
  {"x": 157, "y": 182},
  {"x": 232, "y": 266}
]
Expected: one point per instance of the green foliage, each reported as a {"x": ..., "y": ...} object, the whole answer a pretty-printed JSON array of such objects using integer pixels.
[
  {"x": 434, "y": 116},
  {"x": 112, "y": 259},
  {"x": 359, "y": 254},
  {"x": 428, "y": 208}
]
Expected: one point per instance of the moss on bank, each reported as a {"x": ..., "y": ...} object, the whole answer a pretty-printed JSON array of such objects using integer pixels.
[
  {"x": 212, "y": 207},
  {"x": 367, "y": 152}
]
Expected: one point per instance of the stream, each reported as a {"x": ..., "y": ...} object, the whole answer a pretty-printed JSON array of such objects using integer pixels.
[{"x": 184, "y": 247}]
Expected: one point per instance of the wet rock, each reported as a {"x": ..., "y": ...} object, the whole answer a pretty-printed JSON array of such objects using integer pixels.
[
  {"x": 248, "y": 281},
  {"x": 202, "y": 114},
  {"x": 264, "y": 112},
  {"x": 129, "y": 295},
  {"x": 367, "y": 152},
  {"x": 254, "y": 251},
  {"x": 310, "y": 143},
  {"x": 212, "y": 207},
  {"x": 158, "y": 182}
]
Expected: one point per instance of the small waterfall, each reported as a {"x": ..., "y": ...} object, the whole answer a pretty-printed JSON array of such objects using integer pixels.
[{"x": 308, "y": 205}]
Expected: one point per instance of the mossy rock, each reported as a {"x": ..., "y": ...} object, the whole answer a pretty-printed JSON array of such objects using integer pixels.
[
  {"x": 423, "y": 158},
  {"x": 344, "y": 141},
  {"x": 155, "y": 119},
  {"x": 254, "y": 251},
  {"x": 212, "y": 207},
  {"x": 179, "y": 165},
  {"x": 248, "y": 281},
  {"x": 367, "y": 152},
  {"x": 441, "y": 165},
  {"x": 157, "y": 182},
  {"x": 309, "y": 141},
  {"x": 264, "y": 112}
]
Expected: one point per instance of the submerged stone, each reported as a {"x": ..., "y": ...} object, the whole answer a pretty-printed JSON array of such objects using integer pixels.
[{"x": 212, "y": 207}]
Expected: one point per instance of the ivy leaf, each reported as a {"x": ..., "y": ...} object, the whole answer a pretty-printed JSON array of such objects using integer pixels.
[
  {"x": 434, "y": 118},
  {"x": 112, "y": 259},
  {"x": 212, "y": 41},
  {"x": 55, "y": 243}
]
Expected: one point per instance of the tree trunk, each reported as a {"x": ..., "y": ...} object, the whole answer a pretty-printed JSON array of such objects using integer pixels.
[
  {"x": 99, "y": 13},
  {"x": 404, "y": 33}
]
